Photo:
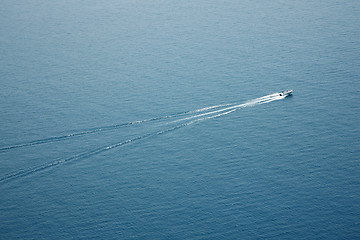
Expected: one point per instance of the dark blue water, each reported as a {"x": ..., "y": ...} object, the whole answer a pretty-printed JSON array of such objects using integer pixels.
[{"x": 78, "y": 79}]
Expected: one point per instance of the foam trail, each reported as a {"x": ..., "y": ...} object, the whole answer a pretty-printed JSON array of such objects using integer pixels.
[
  {"x": 209, "y": 113},
  {"x": 102, "y": 129},
  {"x": 212, "y": 107},
  {"x": 113, "y": 127},
  {"x": 81, "y": 155},
  {"x": 85, "y": 154},
  {"x": 265, "y": 99}
]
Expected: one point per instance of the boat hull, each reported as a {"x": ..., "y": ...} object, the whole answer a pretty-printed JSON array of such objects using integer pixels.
[{"x": 286, "y": 93}]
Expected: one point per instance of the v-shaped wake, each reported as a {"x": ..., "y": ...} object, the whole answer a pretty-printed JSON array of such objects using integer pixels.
[{"x": 184, "y": 119}]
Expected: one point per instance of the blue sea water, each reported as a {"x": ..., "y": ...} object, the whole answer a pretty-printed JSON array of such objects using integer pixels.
[{"x": 98, "y": 141}]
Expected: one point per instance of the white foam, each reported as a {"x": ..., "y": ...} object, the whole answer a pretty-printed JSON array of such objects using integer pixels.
[{"x": 196, "y": 118}]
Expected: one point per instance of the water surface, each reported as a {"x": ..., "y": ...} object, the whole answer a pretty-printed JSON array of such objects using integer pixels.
[{"x": 78, "y": 79}]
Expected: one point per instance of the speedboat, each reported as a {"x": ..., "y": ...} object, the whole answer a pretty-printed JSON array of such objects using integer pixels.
[{"x": 286, "y": 93}]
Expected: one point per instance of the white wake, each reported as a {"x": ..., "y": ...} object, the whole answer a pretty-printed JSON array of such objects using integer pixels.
[{"x": 189, "y": 118}]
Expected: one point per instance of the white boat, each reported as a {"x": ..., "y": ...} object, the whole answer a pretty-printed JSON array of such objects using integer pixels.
[{"x": 286, "y": 93}]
